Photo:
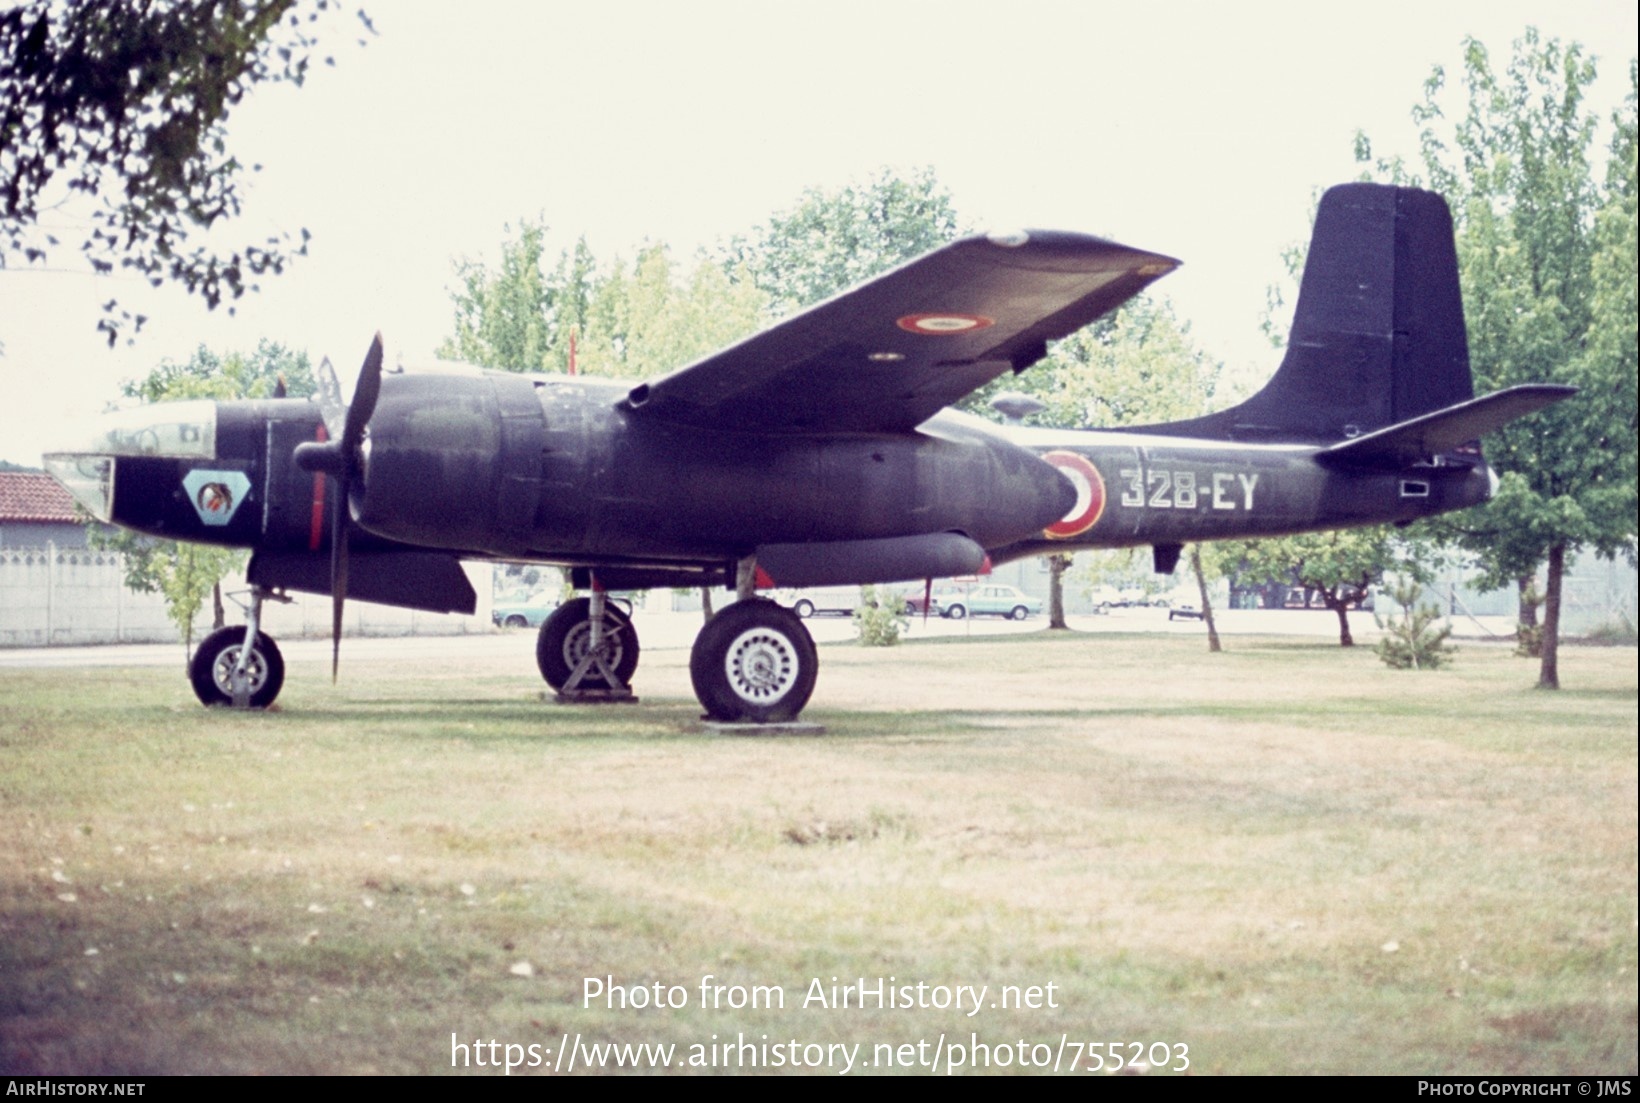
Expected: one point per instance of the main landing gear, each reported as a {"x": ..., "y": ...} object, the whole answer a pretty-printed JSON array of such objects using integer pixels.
[
  {"x": 588, "y": 650},
  {"x": 754, "y": 662}
]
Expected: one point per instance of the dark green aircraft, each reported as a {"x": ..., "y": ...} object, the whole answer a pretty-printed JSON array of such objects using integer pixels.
[{"x": 818, "y": 452}]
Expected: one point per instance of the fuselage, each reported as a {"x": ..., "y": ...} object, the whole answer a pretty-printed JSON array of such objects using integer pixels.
[
  {"x": 554, "y": 469},
  {"x": 1137, "y": 488}
]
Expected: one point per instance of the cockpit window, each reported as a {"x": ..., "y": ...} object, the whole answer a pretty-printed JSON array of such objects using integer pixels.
[{"x": 186, "y": 430}]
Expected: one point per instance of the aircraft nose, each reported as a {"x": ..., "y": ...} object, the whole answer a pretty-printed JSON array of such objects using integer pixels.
[
  {"x": 180, "y": 470},
  {"x": 89, "y": 479},
  {"x": 90, "y": 451}
]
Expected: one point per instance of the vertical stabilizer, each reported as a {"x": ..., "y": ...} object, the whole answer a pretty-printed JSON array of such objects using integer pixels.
[{"x": 1378, "y": 336}]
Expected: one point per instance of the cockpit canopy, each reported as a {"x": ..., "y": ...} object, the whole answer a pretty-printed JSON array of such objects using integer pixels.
[{"x": 85, "y": 462}]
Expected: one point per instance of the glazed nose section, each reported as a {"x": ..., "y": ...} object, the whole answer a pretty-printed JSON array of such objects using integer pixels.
[
  {"x": 90, "y": 479},
  {"x": 130, "y": 440},
  {"x": 165, "y": 470}
]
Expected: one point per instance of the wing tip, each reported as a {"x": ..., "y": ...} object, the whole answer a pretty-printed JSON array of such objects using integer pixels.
[{"x": 1067, "y": 250}]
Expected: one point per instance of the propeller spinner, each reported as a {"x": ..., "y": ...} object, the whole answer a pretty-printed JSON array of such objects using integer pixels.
[{"x": 342, "y": 458}]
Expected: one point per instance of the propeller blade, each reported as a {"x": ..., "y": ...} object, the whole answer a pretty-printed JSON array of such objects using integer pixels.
[
  {"x": 339, "y": 526},
  {"x": 341, "y": 457},
  {"x": 331, "y": 406},
  {"x": 365, "y": 393}
]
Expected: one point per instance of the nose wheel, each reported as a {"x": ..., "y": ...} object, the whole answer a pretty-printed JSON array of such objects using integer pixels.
[
  {"x": 221, "y": 666},
  {"x": 240, "y": 667},
  {"x": 754, "y": 662}
]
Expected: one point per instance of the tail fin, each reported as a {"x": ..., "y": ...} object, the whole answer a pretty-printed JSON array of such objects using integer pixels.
[{"x": 1378, "y": 336}]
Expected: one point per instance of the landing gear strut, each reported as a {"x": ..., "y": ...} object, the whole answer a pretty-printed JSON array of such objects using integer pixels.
[
  {"x": 224, "y": 671},
  {"x": 588, "y": 650}
]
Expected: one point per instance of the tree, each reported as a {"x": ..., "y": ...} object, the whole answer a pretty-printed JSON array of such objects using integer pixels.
[
  {"x": 187, "y": 573},
  {"x": 1341, "y": 566},
  {"x": 1198, "y": 569},
  {"x": 1138, "y": 366},
  {"x": 832, "y": 240},
  {"x": 236, "y": 375},
  {"x": 649, "y": 321},
  {"x": 638, "y": 323},
  {"x": 128, "y": 102},
  {"x": 1416, "y": 640},
  {"x": 1547, "y": 260},
  {"x": 645, "y": 318},
  {"x": 505, "y": 318}
]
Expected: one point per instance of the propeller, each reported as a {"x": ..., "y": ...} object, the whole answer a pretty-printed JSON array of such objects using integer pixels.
[{"x": 341, "y": 457}]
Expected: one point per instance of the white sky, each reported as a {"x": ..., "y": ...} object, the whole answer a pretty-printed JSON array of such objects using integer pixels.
[{"x": 1196, "y": 129}]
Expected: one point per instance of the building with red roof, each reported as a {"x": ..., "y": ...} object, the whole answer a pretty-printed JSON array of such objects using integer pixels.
[{"x": 35, "y": 511}]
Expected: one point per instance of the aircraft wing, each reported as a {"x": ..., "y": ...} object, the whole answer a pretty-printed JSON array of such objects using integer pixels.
[{"x": 892, "y": 352}]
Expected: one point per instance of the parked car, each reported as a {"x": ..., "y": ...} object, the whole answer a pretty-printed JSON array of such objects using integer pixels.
[
  {"x": 988, "y": 599},
  {"x": 531, "y": 612},
  {"x": 1129, "y": 597},
  {"x": 915, "y": 600},
  {"x": 1105, "y": 597},
  {"x": 528, "y": 613},
  {"x": 819, "y": 600}
]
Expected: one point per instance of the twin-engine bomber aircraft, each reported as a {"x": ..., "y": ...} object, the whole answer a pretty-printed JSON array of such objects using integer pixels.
[{"x": 818, "y": 452}]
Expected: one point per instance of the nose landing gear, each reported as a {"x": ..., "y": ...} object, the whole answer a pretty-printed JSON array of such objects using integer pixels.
[{"x": 239, "y": 667}]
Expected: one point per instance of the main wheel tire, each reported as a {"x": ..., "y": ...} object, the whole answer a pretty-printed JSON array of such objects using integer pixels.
[
  {"x": 567, "y": 634},
  {"x": 754, "y": 661},
  {"x": 211, "y": 669}
]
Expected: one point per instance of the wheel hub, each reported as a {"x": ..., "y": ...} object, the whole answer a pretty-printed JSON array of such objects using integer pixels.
[
  {"x": 256, "y": 670},
  {"x": 761, "y": 664},
  {"x": 579, "y": 641}
]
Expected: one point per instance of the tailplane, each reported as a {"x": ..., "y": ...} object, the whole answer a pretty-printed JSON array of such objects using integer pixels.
[
  {"x": 1378, "y": 335},
  {"x": 1445, "y": 431}
]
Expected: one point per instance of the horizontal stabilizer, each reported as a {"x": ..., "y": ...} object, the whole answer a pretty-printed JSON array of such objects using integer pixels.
[{"x": 1443, "y": 430}]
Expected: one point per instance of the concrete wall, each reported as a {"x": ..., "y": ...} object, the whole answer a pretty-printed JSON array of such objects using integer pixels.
[
  {"x": 30, "y": 534},
  {"x": 52, "y": 596},
  {"x": 55, "y": 595}
]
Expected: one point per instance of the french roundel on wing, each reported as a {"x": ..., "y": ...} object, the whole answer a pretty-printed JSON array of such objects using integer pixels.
[
  {"x": 1090, "y": 495},
  {"x": 943, "y": 325}
]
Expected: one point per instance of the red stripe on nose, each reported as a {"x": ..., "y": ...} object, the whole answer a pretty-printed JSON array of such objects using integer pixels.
[{"x": 316, "y": 529}]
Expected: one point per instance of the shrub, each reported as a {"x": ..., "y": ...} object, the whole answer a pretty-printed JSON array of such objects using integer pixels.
[
  {"x": 880, "y": 617},
  {"x": 1412, "y": 641}
]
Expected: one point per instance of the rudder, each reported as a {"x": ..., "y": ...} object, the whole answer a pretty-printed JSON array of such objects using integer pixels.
[{"x": 1378, "y": 334}]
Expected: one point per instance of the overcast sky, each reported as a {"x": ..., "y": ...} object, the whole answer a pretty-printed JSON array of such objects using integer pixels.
[{"x": 1201, "y": 130}]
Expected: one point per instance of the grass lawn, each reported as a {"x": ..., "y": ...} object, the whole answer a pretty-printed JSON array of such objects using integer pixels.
[{"x": 1286, "y": 858}]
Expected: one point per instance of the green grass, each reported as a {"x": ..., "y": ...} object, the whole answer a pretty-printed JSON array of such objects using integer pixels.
[{"x": 1288, "y": 857}]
